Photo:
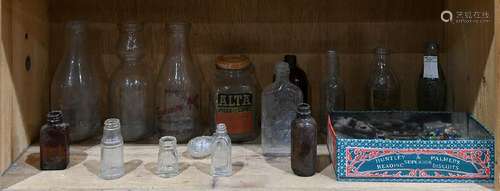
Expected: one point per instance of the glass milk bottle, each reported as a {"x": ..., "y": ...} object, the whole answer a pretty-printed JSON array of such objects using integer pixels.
[
  {"x": 178, "y": 89},
  {"x": 383, "y": 86},
  {"x": 279, "y": 109},
  {"x": 75, "y": 87},
  {"x": 130, "y": 90}
]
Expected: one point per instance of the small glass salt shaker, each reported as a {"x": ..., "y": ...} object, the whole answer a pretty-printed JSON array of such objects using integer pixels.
[
  {"x": 168, "y": 157},
  {"x": 112, "y": 165}
]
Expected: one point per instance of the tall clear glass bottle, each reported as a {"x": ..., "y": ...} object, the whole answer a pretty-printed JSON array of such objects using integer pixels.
[
  {"x": 383, "y": 86},
  {"x": 279, "y": 109},
  {"x": 54, "y": 143},
  {"x": 130, "y": 89},
  {"x": 221, "y": 152},
  {"x": 75, "y": 88},
  {"x": 431, "y": 92},
  {"x": 332, "y": 90},
  {"x": 304, "y": 142},
  {"x": 178, "y": 88},
  {"x": 112, "y": 165}
]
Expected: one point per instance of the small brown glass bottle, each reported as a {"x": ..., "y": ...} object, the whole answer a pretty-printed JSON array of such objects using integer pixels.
[
  {"x": 54, "y": 143},
  {"x": 304, "y": 142}
]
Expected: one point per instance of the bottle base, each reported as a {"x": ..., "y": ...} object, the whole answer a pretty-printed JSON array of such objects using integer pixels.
[
  {"x": 167, "y": 175},
  {"x": 222, "y": 174},
  {"x": 111, "y": 177}
]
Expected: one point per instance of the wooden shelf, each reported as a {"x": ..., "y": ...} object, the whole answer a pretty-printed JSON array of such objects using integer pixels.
[{"x": 252, "y": 171}]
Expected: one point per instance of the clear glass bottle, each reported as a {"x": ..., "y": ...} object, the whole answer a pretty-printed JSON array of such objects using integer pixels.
[
  {"x": 178, "y": 89},
  {"x": 168, "y": 157},
  {"x": 130, "y": 89},
  {"x": 304, "y": 142},
  {"x": 383, "y": 85},
  {"x": 297, "y": 76},
  {"x": 431, "y": 92},
  {"x": 279, "y": 109},
  {"x": 332, "y": 91},
  {"x": 235, "y": 98},
  {"x": 75, "y": 88},
  {"x": 54, "y": 143},
  {"x": 112, "y": 165},
  {"x": 221, "y": 152}
]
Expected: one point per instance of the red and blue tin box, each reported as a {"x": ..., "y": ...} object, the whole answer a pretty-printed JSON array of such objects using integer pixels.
[{"x": 410, "y": 147}]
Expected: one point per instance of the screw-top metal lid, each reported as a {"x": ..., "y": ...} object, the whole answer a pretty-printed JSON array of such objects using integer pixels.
[{"x": 232, "y": 62}]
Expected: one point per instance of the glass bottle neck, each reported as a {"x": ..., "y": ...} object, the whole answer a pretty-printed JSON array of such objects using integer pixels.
[
  {"x": 333, "y": 65},
  {"x": 54, "y": 117},
  {"x": 282, "y": 76},
  {"x": 76, "y": 43},
  {"x": 382, "y": 62},
  {"x": 178, "y": 43}
]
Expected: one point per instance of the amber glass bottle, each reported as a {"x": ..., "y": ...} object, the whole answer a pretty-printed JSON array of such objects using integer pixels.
[
  {"x": 304, "y": 142},
  {"x": 54, "y": 143}
]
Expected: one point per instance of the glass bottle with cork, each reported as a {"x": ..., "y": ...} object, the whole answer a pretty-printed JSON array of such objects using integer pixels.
[{"x": 235, "y": 97}]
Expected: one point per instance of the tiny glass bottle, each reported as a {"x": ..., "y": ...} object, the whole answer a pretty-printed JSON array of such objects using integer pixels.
[
  {"x": 75, "y": 88},
  {"x": 178, "y": 88},
  {"x": 279, "y": 109},
  {"x": 431, "y": 92},
  {"x": 221, "y": 152},
  {"x": 54, "y": 143},
  {"x": 168, "y": 157},
  {"x": 112, "y": 165},
  {"x": 297, "y": 76},
  {"x": 383, "y": 86},
  {"x": 304, "y": 142},
  {"x": 332, "y": 91},
  {"x": 130, "y": 89}
]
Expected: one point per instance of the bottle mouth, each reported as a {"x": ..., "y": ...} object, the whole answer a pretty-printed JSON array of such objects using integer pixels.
[
  {"x": 168, "y": 141},
  {"x": 54, "y": 116},
  {"x": 77, "y": 25},
  {"x": 132, "y": 26},
  {"x": 304, "y": 109},
  {"x": 111, "y": 124},
  {"x": 179, "y": 27},
  {"x": 221, "y": 128}
]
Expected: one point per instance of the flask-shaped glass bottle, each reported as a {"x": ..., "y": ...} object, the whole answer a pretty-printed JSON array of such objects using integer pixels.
[{"x": 221, "y": 152}]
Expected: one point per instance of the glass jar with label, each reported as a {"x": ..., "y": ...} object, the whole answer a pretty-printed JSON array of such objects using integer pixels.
[{"x": 235, "y": 97}]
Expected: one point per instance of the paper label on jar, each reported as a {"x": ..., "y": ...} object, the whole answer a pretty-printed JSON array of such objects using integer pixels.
[
  {"x": 431, "y": 67},
  {"x": 236, "y": 111}
]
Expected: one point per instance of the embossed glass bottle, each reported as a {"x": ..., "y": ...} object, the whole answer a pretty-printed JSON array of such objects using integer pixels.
[
  {"x": 112, "y": 165},
  {"x": 279, "y": 109},
  {"x": 54, "y": 143},
  {"x": 431, "y": 92},
  {"x": 130, "y": 90},
  {"x": 383, "y": 86},
  {"x": 304, "y": 142},
  {"x": 178, "y": 89},
  {"x": 221, "y": 152},
  {"x": 75, "y": 86},
  {"x": 168, "y": 157},
  {"x": 332, "y": 91}
]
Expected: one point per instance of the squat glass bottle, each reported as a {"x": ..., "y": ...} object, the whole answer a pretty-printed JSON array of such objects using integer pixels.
[
  {"x": 383, "y": 86},
  {"x": 221, "y": 152},
  {"x": 168, "y": 157},
  {"x": 54, "y": 143},
  {"x": 279, "y": 109},
  {"x": 431, "y": 92},
  {"x": 75, "y": 87},
  {"x": 112, "y": 165},
  {"x": 131, "y": 97},
  {"x": 178, "y": 89},
  {"x": 304, "y": 142}
]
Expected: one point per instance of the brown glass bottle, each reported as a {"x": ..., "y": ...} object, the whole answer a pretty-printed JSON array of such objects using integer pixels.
[
  {"x": 297, "y": 76},
  {"x": 304, "y": 142},
  {"x": 54, "y": 143}
]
